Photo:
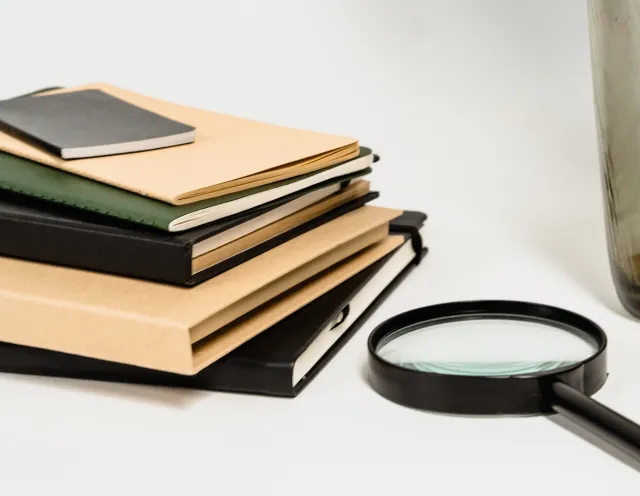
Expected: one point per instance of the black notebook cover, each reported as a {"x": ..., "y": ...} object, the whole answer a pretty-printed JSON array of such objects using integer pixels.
[
  {"x": 263, "y": 365},
  {"x": 89, "y": 123},
  {"x": 44, "y": 232}
]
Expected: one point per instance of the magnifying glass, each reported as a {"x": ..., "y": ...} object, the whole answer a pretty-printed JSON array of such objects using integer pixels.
[{"x": 498, "y": 357}]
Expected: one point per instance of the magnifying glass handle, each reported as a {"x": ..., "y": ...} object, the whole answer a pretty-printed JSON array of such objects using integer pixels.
[{"x": 583, "y": 409}]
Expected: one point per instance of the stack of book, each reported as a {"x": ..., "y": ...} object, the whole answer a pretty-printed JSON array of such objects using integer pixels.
[{"x": 142, "y": 241}]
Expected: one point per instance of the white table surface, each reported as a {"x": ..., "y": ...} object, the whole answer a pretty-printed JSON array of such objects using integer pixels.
[{"x": 481, "y": 111}]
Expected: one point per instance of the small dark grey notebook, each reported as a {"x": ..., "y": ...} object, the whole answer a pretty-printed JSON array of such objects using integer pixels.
[{"x": 89, "y": 123}]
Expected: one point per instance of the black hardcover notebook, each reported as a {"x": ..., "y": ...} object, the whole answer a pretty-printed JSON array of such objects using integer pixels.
[
  {"x": 89, "y": 123},
  {"x": 44, "y": 232},
  {"x": 280, "y": 361}
]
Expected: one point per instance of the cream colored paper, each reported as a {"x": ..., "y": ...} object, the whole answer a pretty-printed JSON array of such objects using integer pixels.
[
  {"x": 355, "y": 190},
  {"x": 154, "y": 325},
  {"x": 229, "y": 154}
]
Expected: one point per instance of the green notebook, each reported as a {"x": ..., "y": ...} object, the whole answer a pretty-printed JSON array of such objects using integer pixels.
[{"x": 33, "y": 179}]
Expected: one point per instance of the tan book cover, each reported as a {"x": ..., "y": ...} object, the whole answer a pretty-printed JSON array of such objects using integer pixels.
[
  {"x": 229, "y": 154},
  {"x": 159, "y": 326}
]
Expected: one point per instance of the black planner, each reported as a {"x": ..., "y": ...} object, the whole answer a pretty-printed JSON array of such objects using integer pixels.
[
  {"x": 282, "y": 360},
  {"x": 40, "y": 231}
]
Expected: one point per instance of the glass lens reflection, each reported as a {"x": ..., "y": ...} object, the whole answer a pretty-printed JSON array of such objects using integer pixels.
[{"x": 486, "y": 347}]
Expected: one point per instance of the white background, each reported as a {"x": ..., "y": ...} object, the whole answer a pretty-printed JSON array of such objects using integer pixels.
[{"x": 481, "y": 111}]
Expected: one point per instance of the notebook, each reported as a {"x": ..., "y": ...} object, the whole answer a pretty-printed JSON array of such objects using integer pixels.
[
  {"x": 89, "y": 123},
  {"x": 229, "y": 154},
  {"x": 30, "y": 178},
  {"x": 180, "y": 330},
  {"x": 36, "y": 230},
  {"x": 282, "y": 360}
]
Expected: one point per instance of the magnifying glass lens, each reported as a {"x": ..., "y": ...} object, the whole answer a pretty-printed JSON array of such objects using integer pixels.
[{"x": 486, "y": 347}]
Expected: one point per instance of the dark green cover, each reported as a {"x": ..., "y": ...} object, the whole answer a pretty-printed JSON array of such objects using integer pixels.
[{"x": 33, "y": 179}]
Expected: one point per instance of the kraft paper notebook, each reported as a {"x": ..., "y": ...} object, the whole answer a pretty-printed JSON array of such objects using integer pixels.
[
  {"x": 282, "y": 360},
  {"x": 229, "y": 154},
  {"x": 180, "y": 330},
  {"x": 37, "y": 230},
  {"x": 57, "y": 186}
]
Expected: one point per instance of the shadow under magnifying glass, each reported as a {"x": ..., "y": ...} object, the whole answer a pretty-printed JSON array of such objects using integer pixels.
[
  {"x": 597, "y": 441},
  {"x": 573, "y": 427}
]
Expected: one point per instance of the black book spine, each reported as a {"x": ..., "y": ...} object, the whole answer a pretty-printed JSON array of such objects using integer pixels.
[
  {"x": 28, "y": 138},
  {"x": 16, "y": 133},
  {"x": 246, "y": 376},
  {"x": 253, "y": 377},
  {"x": 99, "y": 251}
]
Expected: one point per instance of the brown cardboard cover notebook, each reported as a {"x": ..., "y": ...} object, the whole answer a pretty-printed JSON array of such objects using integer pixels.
[
  {"x": 229, "y": 154},
  {"x": 163, "y": 327}
]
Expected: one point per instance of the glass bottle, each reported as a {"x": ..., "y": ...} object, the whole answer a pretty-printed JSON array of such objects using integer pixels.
[{"x": 614, "y": 29}]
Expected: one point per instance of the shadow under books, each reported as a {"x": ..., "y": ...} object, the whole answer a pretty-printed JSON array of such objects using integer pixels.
[{"x": 162, "y": 395}]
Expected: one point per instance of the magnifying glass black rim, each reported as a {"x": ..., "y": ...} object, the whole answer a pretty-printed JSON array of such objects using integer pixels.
[{"x": 490, "y": 395}]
